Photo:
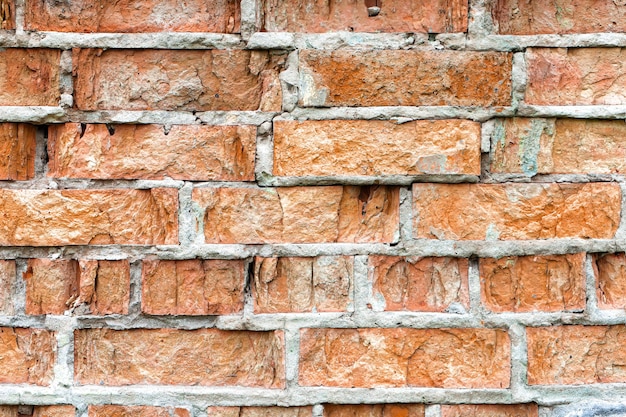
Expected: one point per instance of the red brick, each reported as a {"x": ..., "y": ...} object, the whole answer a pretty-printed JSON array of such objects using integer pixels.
[
  {"x": 207, "y": 357},
  {"x": 130, "y": 16},
  {"x": 533, "y": 283},
  {"x": 37, "y": 411},
  {"x": 196, "y": 152},
  {"x": 404, "y": 78},
  {"x": 419, "y": 284},
  {"x": 260, "y": 411},
  {"x": 441, "y": 358},
  {"x": 516, "y": 211},
  {"x": 29, "y": 77},
  {"x": 135, "y": 411},
  {"x": 376, "y": 410},
  {"x": 299, "y": 214},
  {"x": 81, "y": 217},
  {"x": 610, "y": 271},
  {"x": 192, "y": 80},
  {"x": 27, "y": 356},
  {"x": 376, "y": 147},
  {"x": 285, "y": 285},
  {"x": 193, "y": 287},
  {"x": 8, "y": 282},
  {"x": 7, "y": 14},
  {"x": 432, "y": 16},
  {"x": 17, "y": 148},
  {"x": 490, "y": 410}
]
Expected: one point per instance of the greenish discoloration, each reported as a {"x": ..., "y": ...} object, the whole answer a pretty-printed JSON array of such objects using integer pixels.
[
  {"x": 562, "y": 11},
  {"x": 529, "y": 146}
]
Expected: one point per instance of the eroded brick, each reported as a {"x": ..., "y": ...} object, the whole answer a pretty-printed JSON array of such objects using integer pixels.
[
  {"x": 375, "y": 410},
  {"x": 37, "y": 411},
  {"x": 259, "y": 411},
  {"x": 8, "y": 278},
  {"x": 27, "y": 356},
  {"x": 7, "y": 14},
  {"x": 29, "y": 77},
  {"x": 17, "y": 148},
  {"x": 135, "y": 411},
  {"x": 490, "y": 410},
  {"x": 610, "y": 271}
]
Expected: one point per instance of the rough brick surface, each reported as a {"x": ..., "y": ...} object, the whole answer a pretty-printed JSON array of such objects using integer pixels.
[
  {"x": 442, "y": 358},
  {"x": 50, "y": 285},
  {"x": 29, "y": 77},
  {"x": 610, "y": 271},
  {"x": 490, "y": 410},
  {"x": 17, "y": 148},
  {"x": 27, "y": 356},
  {"x": 193, "y": 287},
  {"x": 515, "y": 211},
  {"x": 299, "y": 214},
  {"x": 135, "y": 411},
  {"x": 419, "y": 284},
  {"x": 37, "y": 411},
  {"x": 324, "y": 283},
  {"x": 190, "y": 80},
  {"x": 259, "y": 411},
  {"x": 376, "y": 410},
  {"x": 8, "y": 277},
  {"x": 196, "y": 152},
  {"x": 427, "y": 78},
  {"x": 7, "y": 14},
  {"x": 179, "y": 357},
  {"x": 359, "y": 147}
]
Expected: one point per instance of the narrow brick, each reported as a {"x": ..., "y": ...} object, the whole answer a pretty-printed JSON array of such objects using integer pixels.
[
  {"x": 418, "y": 284},
  {"x": 29, "y": 77},
  {"x": 8, "y": 278},
  {"x": 194, "y": 152},
  {"x": 207, "y": 357},
  {"x": 285, "y": 285},
  {"x": 490, "y": 410},
  {"x": 516, "y": 211},
  {"x": 81, "y": 217},
  {"x": 27, "y": 356},
  {"x": 260, "y": 411},
  {"x": 299, "y": 214},
  {"x": 404, "y": 78},
  {"x": 610, "y": 271},
  {"x": 430, "y": 16},
  {"x": 375, "y": 410},
  {"x": 191, "y": 80},
  {"x": 88, "y": 16},
  {"x": 576, "y": 76},
  {"x": 533, "y": 283},
  {"x": 135, "y": 411},
  {"x": 192, "y": 287},
  {"x": 575, "y": 355},
  {"x": 376, "y": 147},
  {"x": 402, "y": 357},
  {"x": 17, "y": 148},
  {"x": 7, "y": 14}
]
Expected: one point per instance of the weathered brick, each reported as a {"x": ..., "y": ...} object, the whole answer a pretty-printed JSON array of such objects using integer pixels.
[
  {"x": 192, "y": 287},
  {"x": 27, "y": 356},
  {"x": 533, "y": 283},
  {"x": 179, "y": 357},
  {"x": 376, "y": 147},
  {"x": 442, "y": 358},
  {"x": 259, "y": 411},
  {"x": 7, "y": 14},
  {"x": 404, "y": 78},
  {"x": 299, "y": 214},
  {"x": 17, "y": 148},
  {"x": 8, "y": 278},
  {"x": 610, "y": 271},
  {"x": 574, "y": 355},
  {"x": 576, "y": 76},
  {"x": 81, "y": 217},
  {"x": 490, "y": 410},
  {"x": 193, "y": 80},
  {"x": 284, "y": 285},
  {"x": 37, "y": 411},
  {"x": 194, "y": 152},
  {"x": 430, "y": 16},
  {"x": 516, "y": 211},
  {"x": 528, "y": 17},
  {"x": 50, "y": 285},
  {"x": 418, "y": 284},
  {"x": 130, "y": 16},
  {"x": 135, "y": 411},
  {"x": 29, "y": 77},
  {"x": 375, "y": 410}
]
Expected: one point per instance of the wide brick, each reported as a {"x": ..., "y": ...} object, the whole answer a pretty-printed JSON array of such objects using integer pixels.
[
  {"x": 418, "y": 284},
  {"x": 528, "y": 17},
  {"x": 375, "y": 410},
  {"x": 576, "y": 355},
  {"x": 37, "y": 411},
  {"x": 27, "y": 356},
  {"x": 17, "y": 148},
  {"x": 81, "y": 217},
  {"x": 376, "y": 147},
  {"x": 404, "y": 78},
  {"x": 8, "y": 283},
  {"x": 533, "y": 283},
  {"x": 516, "y": 211},
  {"x": 7, "y": 14},
  {"x": 299, "y": 214},
  {"x": 29, "y": 77},
  {"x": 490, "y": 410},
  {"x": 192, "y": 80},
  {"x": 195, "y": 152},
  {"x": 192, "y": 287},
  {"x": 135, "y": 411},
  {"x": 401, "y": 357},
  {"x": 284, "y": 285},
  {"x": 179, "y": 357},
  {"x": 576, "y": 76},
  {"x": 260, "y": 411},
  {"x": 430, "y": 16},
  {"x": 610, "y": 271},
  {"x": 130, "y": 16}
]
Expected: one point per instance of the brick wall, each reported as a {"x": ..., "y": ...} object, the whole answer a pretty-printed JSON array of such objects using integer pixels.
[{"x": 268, "y": 208}]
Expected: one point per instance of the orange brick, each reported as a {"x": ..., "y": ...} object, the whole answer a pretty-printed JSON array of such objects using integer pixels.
[
  {"x": 193, "y": 287},
  {"x": 516, "y": 211},
  {"x": 179, "y": 357},
  {"x": 376, "y": 410},
  {"x": 135, "y": 411},
  {"x": 419, "y": 284},
  {"x": 376, "y": 147},
  {"x": 37, "y": 411},
  {"x": 610, "y": 270},
  {"x": 441, "y": 358},
  {"x": 405, "y": 78},
  {"x": 17, "y": 148},
  {"x": 490, "y": 410},
  {"x": 81, "y": 217},
  {"x": 27, "y": 356},
  {"x": 533, "y": 283},
  {"x": 299, "y": 214},
  {"x": 192, "y": 80},
  {"x": 259, "y": 411},
  {"x": 284, "y": 285},
  {"x": 8, "y": 281},
  {"x": 7, "y": 14},
  {"x": 29, "y": 77}
]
